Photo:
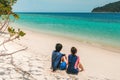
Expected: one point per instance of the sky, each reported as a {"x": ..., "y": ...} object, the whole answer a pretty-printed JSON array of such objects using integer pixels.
[{"x": 58, "y": 5}]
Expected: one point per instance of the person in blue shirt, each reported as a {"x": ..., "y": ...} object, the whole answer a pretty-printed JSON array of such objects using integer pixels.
[{"x": 57, "y": 56}]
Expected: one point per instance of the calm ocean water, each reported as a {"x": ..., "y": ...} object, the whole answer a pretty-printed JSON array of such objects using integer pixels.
[{"x": 102, "y": 28}]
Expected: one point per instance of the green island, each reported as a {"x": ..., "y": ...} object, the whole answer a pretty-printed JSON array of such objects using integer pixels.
[{"x": 111, "y": 7}]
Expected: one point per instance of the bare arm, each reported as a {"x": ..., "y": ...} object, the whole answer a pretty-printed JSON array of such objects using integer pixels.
[{"x": 80, "y": 66}]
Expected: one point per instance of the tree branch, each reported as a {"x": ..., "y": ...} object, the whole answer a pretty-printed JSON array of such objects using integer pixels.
[
  {"x": 13, "y": 52},
  {"x": 10, "y": 39}
]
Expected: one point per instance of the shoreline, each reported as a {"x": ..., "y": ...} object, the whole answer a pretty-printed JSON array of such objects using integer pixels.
[{"x": 82, "y": 41}]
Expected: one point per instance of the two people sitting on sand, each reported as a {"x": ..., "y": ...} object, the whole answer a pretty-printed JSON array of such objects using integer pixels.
[{"x": 60, "y": 61}]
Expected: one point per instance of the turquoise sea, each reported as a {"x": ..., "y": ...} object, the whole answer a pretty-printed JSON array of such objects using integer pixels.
[{"x": 100, "y": 28}]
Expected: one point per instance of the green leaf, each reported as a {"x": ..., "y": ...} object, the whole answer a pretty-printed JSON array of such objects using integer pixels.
[
  {"x": 15, "y": 16},
  {"x": 11, "y": 31},
  {"x": 21, "y": 33}
]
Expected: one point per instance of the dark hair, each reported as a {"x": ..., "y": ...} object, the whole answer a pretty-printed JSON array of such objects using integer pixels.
[
  {"x": 58, "y": 47},
  {"x": 73, "y": 50}
]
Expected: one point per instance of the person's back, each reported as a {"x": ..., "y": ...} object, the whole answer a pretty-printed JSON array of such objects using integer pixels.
[
  {"x": 56, "y": 57},
  {"x": 73, "y": 62}
]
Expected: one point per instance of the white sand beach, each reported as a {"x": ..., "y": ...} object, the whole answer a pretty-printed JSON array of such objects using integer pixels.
[{"x": 99, "y": 64}]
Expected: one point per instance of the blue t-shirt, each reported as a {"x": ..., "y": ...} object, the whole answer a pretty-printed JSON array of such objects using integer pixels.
[{"x": 56, "y": 58}]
